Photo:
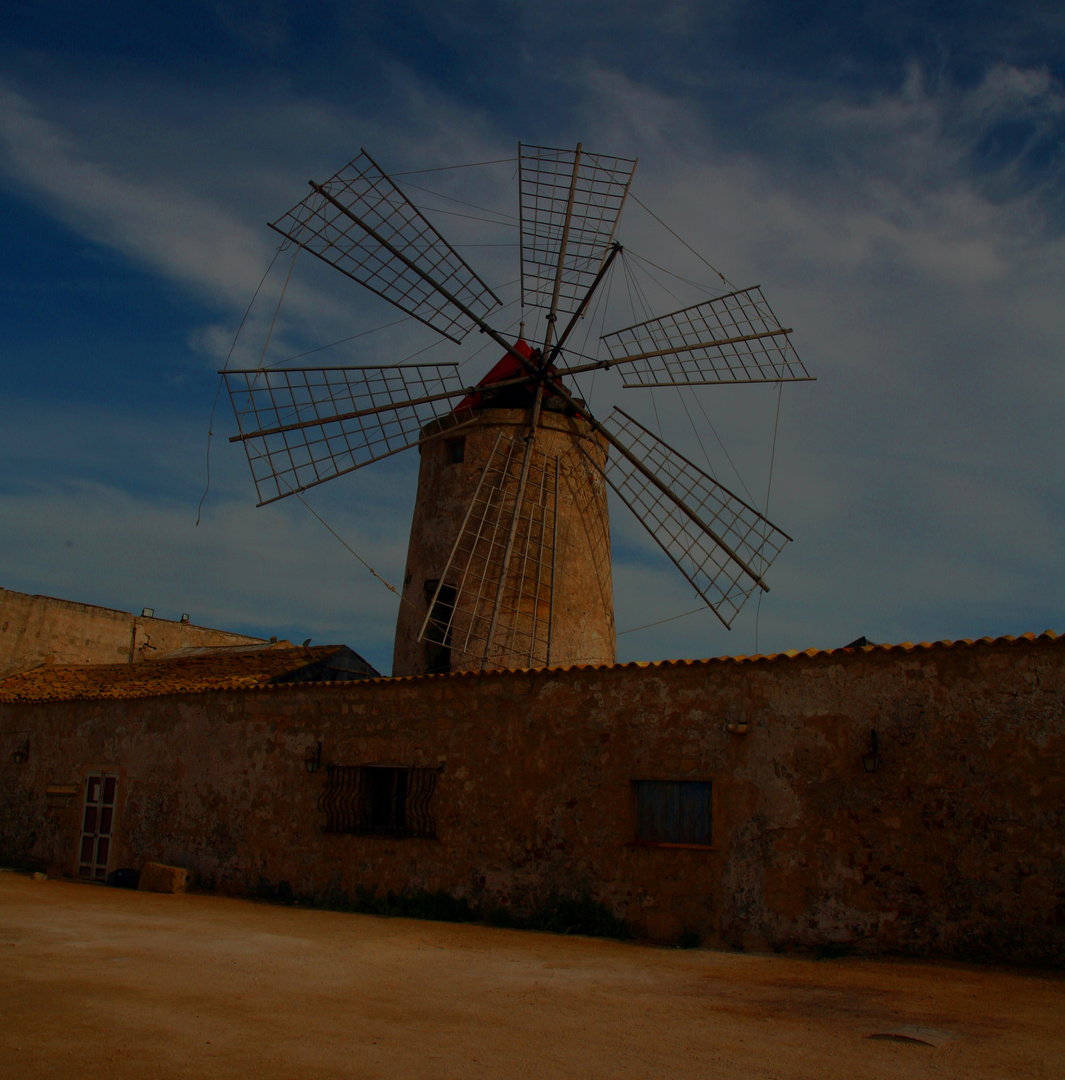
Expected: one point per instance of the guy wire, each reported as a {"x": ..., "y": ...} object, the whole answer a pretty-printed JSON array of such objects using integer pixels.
[
  {"x": 222, "y": 378},
  {"x": 705, "y": 262},
  {"x": 387, "y": 584},
  {"x": 769, "y": 487}
]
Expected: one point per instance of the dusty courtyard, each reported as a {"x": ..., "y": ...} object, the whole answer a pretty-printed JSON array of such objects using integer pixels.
[{"x": 109, "y": 983}]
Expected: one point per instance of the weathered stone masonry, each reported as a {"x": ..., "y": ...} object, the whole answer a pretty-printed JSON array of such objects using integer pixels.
[
  {"x": 954, "y": 846},
  {"x": 42, "y": 629}
]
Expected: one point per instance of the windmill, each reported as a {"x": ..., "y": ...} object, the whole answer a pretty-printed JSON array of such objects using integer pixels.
[{"x": 508, "y": 563}]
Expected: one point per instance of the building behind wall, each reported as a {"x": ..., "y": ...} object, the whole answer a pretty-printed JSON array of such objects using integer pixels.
[
  {"x": 729, "y": 797},
  {"x": 42, "y": 629}
]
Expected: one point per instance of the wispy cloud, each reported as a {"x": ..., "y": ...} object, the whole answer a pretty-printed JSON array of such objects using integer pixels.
[{"x": 175, "y": 234}]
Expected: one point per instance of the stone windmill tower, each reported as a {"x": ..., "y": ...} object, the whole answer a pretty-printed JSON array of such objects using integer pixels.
[
  {"x": 509, "y": 557},
  {"x": 555, "y": 604}
]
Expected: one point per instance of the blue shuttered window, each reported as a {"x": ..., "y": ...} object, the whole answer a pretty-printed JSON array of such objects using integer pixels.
[{"x": 674, "y": 812}]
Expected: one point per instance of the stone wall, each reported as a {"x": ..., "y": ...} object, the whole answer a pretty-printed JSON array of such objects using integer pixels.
[
  {"x": 954, "y": 846},
  {"x": 42, "y": 629}
]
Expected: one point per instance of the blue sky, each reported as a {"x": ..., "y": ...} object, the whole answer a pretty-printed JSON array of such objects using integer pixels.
[{"x": 892, "y": 175}]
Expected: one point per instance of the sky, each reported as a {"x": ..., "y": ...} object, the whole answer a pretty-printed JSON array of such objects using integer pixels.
[{"x": 891, "y": 175}]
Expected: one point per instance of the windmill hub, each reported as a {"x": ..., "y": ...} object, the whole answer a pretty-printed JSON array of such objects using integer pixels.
[{"x": 510, "y": 386}]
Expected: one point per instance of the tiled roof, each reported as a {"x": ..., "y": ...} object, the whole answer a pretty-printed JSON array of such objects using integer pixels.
[
  {"x": 268, "y": 667},
  {"x": 906, "y": 646},
  {"x": 192, "y": 672},
  {"x": 790, "y": 654}
]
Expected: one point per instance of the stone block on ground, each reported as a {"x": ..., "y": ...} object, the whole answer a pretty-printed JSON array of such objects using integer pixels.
[{"x": 158, "y": 877}]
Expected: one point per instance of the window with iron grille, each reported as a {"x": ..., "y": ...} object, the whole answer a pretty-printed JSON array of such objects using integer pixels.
[
  {"x": 378, "y": 800},
  {"x": 674, "y": 812}
]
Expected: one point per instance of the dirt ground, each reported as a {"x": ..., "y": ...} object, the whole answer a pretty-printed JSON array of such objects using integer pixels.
[{"x": 99, "y": 982}]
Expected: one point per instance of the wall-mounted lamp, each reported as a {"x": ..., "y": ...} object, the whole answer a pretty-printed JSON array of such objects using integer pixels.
[
  {"x": 872, "y": 759},
  {"x": 312, "y": 762},
  {"x": 22, "y": 753}
]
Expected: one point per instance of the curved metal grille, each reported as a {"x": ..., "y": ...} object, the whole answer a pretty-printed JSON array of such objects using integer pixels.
[{"x": 378, "y": 800}]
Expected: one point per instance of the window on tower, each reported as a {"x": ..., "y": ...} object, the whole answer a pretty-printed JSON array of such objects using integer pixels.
[{"x": 438, "y": 632}]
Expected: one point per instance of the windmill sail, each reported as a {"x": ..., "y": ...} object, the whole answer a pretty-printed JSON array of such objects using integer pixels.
[
  {"x": 361, "y": 223},
  {"x": 570, "y": 203},
  {"x": 468, "y": 599},
  {"x": 303, "y": 426},
  {"x": 734, "y": 338},
  {"x": 720, "y": 543}
]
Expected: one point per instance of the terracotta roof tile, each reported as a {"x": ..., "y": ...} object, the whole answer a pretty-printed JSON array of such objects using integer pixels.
[
  {"x": 789, "y": 654},
  {"x": 263, "y": 668},
  {"x": 196, "y": 671}
]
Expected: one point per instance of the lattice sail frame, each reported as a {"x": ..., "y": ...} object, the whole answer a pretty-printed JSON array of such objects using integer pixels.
[
  {"x": 734, "y": 338},
  {"x": 524, "y": 617},
  {"x": 361, "y": 223},
  {"x": 303, "y": 426},
  {"x": 698, "y": 542},
  {"x": 545, "y": 179}
]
